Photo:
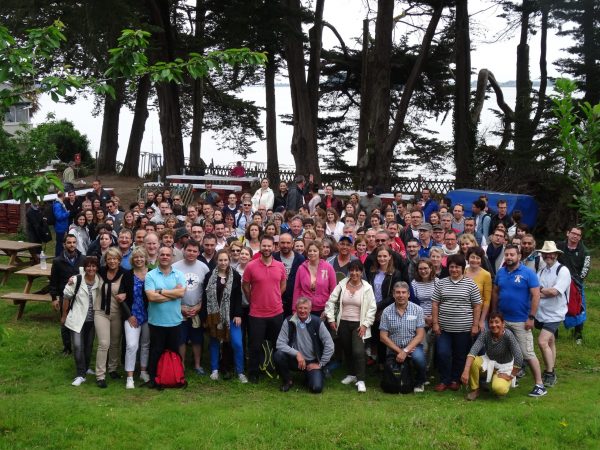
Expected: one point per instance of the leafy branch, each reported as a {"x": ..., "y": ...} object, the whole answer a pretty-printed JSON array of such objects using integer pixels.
[{"x": 579, "y": 134}]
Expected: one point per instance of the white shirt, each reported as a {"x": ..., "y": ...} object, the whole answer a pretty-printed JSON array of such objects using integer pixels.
[{"x": 554, "y": 309}]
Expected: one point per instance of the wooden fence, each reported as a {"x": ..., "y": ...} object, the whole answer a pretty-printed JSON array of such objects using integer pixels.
[{"x": 345, "y": 182}]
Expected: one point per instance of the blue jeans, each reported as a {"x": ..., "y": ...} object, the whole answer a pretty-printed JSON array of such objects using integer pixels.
[
  {"x": 420, "y": 364},
  {"x": 452, "y": 350},
  {"x": 235, "y": 334},
  {"x": 284, "y": 363}
]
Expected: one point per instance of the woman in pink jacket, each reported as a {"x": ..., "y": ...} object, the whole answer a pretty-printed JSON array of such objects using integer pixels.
[{"x": 315, "y": 279}]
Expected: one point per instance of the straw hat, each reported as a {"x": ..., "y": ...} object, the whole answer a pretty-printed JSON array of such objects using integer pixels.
[{"x": 549, "y": 247}]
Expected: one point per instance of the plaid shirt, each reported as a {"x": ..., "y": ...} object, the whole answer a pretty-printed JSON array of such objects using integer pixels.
[{"x": 402, "y": 328}]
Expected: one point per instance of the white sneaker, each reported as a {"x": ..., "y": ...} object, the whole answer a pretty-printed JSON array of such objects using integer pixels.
[
  {"x": 78, "y": 381},
  {"x": 130, "y": 384},
  {"x": 350, "y": 379},
  {"x": 360, "y": 385},
  {"x": 418, "y": 389},
  {"x": 214, "y": 375},
  {"x": 144, "y": 377},
  {"x": 90, "y": 372},
  {"x": 243, "y": 379}
]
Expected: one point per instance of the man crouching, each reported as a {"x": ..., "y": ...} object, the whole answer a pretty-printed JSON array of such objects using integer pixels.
[{"x": 303, "y": 344}]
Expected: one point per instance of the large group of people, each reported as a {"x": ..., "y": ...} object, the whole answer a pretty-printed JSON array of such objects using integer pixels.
[{"x": 325, "y": 283}]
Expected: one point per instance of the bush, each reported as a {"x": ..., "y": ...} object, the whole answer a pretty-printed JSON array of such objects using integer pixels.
[{"x": 64, "y": 138}]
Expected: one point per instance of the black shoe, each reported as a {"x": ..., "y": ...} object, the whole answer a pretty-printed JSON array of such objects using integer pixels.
[
  {"x": 101, "y": 384},
  {"x": 253, "y": 378},
  {"x": 153, "y": 385},
  {"x": 285, "y": 387},
  {"x": 115, "y": 375},
  {"x": 227, "y": 375}
]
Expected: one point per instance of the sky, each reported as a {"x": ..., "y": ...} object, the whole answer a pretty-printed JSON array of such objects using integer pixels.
[{"x": 346, "y": 16}]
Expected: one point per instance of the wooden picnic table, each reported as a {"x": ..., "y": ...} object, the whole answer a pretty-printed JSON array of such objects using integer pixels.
[
  {"x": 211, "y": 178},
  {"x": 21, "y": 298},
  {"x": 12, "y": 249}
]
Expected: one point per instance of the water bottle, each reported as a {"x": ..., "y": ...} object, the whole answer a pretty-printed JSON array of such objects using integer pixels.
[{"x": 43, "y": 264}]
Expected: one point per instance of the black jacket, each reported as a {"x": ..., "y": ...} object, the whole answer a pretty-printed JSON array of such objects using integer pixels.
[
  {"x": 127, "y": 288},
  {"x": 62, "y": 270},
  {"x": 287, "y": 296},
  {"x": 387, "y": 287},
  {"x": 400, "y": 264},
  {"x": 37, "y": 227}
]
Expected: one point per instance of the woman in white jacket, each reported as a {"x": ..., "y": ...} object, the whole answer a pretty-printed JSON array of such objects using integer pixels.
[
  {"x": 263, "y": 197},
  {"x": 82, "y": 292},
  {"x": 80, "y": 231},
  {"x": 350, "y": 311}
]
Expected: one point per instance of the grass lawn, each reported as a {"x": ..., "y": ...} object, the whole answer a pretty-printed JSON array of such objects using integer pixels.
[{"x": 40, "y": 409}]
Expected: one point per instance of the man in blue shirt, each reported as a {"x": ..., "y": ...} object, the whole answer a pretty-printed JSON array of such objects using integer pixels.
[
  {"x": 516, "y": 294},
  {"x": 164, "y": 288},
  {"x": 429, "y": 205}
]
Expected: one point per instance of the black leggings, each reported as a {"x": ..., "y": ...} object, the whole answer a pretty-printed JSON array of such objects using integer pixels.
[{"x": 262, "y": 328}]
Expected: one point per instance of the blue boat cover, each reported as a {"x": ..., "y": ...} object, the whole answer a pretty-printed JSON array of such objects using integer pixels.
[{"x": 525, "y": 203}]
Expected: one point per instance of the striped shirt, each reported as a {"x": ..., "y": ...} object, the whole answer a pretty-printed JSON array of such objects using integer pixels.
[
  {"x": 402, "y": 328},
  {"x": 423, "y": 292},
  {"x": 503, "y": 350},
  {"x": 456, "y": 300}
]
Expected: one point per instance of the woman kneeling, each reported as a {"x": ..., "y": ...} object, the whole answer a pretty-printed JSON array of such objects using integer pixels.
[{"x": 501, "y": 361}]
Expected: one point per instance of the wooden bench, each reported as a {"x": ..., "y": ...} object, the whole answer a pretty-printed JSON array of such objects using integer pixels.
[
  {"x": 7, "y": 269},
  {"x": 21, "y": 299}
]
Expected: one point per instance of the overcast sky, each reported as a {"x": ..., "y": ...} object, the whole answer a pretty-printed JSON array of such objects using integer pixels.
[{"x": 499, "y": 56}]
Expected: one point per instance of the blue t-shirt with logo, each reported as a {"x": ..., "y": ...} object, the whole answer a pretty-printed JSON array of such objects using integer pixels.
[
  {"x": 514, "y": 297},
  {"x": 166, "y": 314}
]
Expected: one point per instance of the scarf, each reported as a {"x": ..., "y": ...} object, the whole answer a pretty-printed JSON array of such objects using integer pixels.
[
  {"x": 106, "y": 291},
  {"x": 450, "y": 252},
  {"x": 217, "y": 320},
  {"x": 492, "y": 253}
]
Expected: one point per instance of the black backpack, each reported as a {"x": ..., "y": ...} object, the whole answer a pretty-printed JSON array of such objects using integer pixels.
[{"x": 397, "y": 378}]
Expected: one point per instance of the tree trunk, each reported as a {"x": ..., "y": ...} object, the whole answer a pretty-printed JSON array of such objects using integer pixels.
[
  {"x": 392, "y": 139},
  {"x": 304, "y": 144},
  {"x": 169, "y": 115},
  {"x": 271, "y": 121},
  {"x": 365, "y": 95},
  {"x": 380, "y": 65},
  {"x": 591, "y": 51},
  {"x": 198, "y": 93},
  {"x": 464, "y": 132},
  {"x": 523, "y": 138},
  {"x": 132, "y": 159},
  {"x": 109, "y": 140}
]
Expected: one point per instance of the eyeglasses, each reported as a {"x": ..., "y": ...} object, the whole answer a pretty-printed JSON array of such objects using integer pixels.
[
  {"x": 150, "y": 211},
  {"x": 380, "y": 240},
  {"x": 235, "y": 250},
  {"x": 247, "y": 204},
  {"x": 176, "y": 199},
  {"x": 575, "y": 234}
]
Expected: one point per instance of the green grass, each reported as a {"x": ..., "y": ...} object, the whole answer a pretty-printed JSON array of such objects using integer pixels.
[{"x": 40, "y": 409}]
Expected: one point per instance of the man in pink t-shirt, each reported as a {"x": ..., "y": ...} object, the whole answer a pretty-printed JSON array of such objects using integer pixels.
[{"x": 263, "y": 282}]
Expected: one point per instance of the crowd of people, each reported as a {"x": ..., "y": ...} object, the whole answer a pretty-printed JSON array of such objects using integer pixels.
[{"x": 328, "y": 283}]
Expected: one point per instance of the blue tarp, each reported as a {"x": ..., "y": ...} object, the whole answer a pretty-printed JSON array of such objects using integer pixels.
[{"x": 525, "y": 203}]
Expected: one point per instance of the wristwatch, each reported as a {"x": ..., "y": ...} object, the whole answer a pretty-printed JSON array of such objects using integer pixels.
[
  {"x": 530, "y": 317},
  {"x": 159, "y": 291}
]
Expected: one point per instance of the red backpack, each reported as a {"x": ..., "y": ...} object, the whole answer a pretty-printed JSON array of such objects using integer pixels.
[{"x": 170, "y": 372}]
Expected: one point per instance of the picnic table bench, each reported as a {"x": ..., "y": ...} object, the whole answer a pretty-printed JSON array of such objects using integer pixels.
[
  {"x": 12, "y": 250},
  {"x": 21, "y": 298}
]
